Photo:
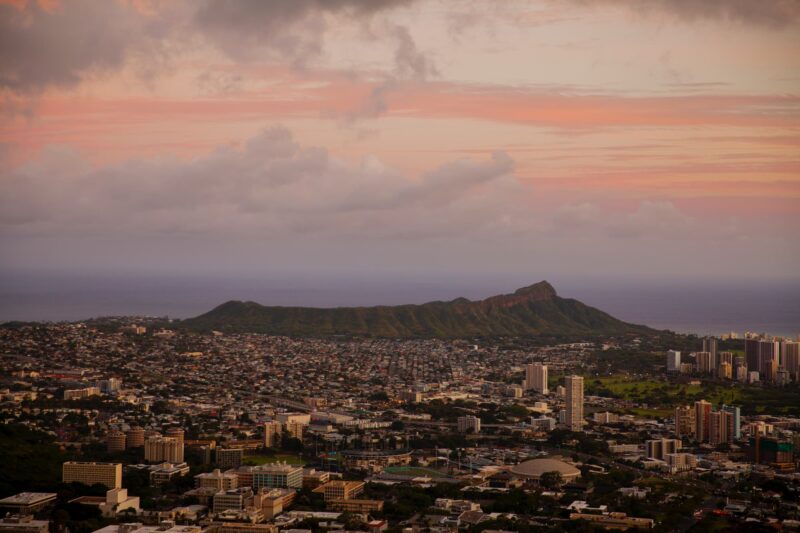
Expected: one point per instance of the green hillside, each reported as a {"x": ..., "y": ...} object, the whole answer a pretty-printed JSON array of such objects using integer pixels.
[{"x": 533, "y": 310}]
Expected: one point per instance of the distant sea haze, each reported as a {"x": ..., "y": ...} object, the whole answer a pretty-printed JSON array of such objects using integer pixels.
[{"x": 685, "y": 308}]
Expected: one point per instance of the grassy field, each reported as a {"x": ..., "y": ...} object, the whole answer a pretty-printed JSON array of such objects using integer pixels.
[
  {"x": 663, "y": 395},
  {"x": 255, "y": 460}
]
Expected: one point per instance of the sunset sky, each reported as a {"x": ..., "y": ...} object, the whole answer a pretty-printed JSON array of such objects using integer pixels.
[{"x": 602, "y": 139}]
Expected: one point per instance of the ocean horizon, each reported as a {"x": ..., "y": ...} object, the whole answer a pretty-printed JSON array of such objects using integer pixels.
[{"x": 702, "y": 309}]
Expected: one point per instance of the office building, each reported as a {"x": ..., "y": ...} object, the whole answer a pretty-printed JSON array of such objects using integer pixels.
[
  {"x": 110, "y": 385},
  {"x": 217, "y": 480},
  {"x": 658, "y": 448},
  {"x": 469, "y": 424},
  {"x": 278, "y": 476},
  {"x": 23, "y": 524},
  {"x": 27, "y": 503},
  {"x": 680, "y": 462},
  {"x": 298, "y": 418},
  {"x": 605, "y": 417},
  {"x": 163, "y": 449},
  {"x": 543, "y": 423},
  {"x": 79, "y": 394},
  {"x": 770, "y": 450},
  {"x": 685, "y": 425},
  {"x": 411, "y": 396},
  {"x": 115, "y": 441},
  {"x": 232, "y": 499},
  {"x": 574, "y": 402},
  {"x": 702, "y": 417},
  {"x": 536, "y": 378},
  {"x": 673, "y": 361},
  {"x": 108, "y": 474},
  {"x": 725, "y": 357},
  {"x": 229, "y": 457},
  {"x": 341, "y": 490}
]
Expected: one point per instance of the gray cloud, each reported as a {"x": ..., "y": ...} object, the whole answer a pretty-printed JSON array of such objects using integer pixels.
[
  {"x": 40, "y": 48},
  {"x": 774, "y": 13},
  {"x": 272, "y": 185}
]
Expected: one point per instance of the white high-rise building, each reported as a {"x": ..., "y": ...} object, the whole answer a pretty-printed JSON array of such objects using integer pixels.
[
  {"x": 536, "y": 378},
  {"x": 673, "y": 361},
  {"x": 574, "y": 407}
]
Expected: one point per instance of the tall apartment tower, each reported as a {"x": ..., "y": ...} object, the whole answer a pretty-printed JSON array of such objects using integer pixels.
[
  {"x": 751, "y": 353},
  {"x": 536, "y": 377},
  {"x": 272, "y": 434},
  {"x": 735, "y": 432},
  {"x": 175, "y": 433},
  {"x": 704, "y": 362},
  {"x": 115, "y": 441},
  {"x": 673, "y": 361},
  {"x": 685, "y": 425},
  {"x": 134, "y": 437},
  {"x": 574, "y": 407},
  {"x": 159, "y": 449},
  {"x": 702, "y": 417},
  {"x": 720, "y": 427},
  {"x": 790, "y": 353},
  {"x": 769, "y": 358},
  {"x": 710, "y": 346}
]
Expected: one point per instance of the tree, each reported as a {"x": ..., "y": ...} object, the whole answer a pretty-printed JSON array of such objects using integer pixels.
[{"x": 551, "y": 480}]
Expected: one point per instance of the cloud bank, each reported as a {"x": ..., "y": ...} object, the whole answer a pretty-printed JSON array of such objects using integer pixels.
[{"x": 272, "y": 185}]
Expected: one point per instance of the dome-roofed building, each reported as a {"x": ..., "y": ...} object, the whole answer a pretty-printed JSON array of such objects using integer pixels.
[{"x": 534, "y": 468}]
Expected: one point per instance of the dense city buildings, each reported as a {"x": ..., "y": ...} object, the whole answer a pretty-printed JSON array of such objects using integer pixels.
[{"x": 291, "y": 420}]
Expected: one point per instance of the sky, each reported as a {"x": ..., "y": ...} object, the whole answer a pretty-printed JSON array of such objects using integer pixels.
[{"x": 591, "y": 140}]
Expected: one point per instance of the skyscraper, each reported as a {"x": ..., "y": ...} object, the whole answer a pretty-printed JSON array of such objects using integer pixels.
[
  {"x": 574, "y": 398},
  {"x": 673, "y": 361},
  {"x": 710, "y": 346},
  {"x": 702, "y": 418},
  {"x": 769, "y": 359},
  {"x": 790, "y": 353},
  {"x": 536, "y": 377},
  {"x": 751, "y": 351}
]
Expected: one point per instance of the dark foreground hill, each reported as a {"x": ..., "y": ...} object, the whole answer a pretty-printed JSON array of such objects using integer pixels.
[{"x": 534, "y": 310}]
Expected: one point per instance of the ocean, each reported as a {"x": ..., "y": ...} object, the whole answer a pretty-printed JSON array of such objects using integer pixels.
[{"x": 683, "y": 307}]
